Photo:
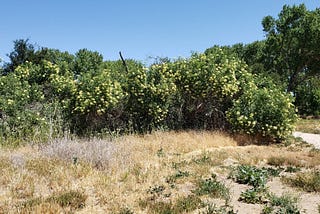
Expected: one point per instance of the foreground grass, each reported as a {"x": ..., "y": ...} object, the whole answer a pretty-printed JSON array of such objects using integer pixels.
[
  {"x": 307, "y": 181},
  {"x": 164, "y": 172},
  {"x": 309, "y": 126}
]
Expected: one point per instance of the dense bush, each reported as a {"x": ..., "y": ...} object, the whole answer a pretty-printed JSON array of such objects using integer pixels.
[
  {"x": 308, "y": 97},
  {"x": 19, "y": 109},
  {"x": 206, "y": 91},
  {"x": 267, "y": 112},
  {"x": 94, "y": 100},
  {"x": 207, "y": 84}
]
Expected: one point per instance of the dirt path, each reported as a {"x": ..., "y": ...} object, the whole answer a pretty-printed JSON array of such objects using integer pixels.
[{"x": 309, "y": 138}]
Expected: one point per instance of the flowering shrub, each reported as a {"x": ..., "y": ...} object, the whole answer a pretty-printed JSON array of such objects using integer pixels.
[
  {"x": 206, "y": 91},
  {"x": 18, "y": 108},
  {"x": 263, "y": 111},
  {"x": 206, "y": 85}
]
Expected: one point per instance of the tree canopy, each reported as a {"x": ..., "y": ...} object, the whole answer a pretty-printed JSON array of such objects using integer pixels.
[{"x": 292, "y": 47}]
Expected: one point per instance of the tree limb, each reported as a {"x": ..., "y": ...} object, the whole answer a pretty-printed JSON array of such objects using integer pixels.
[{"x": 123, "y": 62}]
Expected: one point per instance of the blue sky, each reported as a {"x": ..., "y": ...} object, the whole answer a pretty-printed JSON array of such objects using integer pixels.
[{"x": 140, "y": 28}]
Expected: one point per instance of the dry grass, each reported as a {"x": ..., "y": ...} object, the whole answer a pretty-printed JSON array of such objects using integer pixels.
[
  {"x": 113, "y": 176},
  {"x": 307, "y": 181},
  {"x": 308, "y": 126}
]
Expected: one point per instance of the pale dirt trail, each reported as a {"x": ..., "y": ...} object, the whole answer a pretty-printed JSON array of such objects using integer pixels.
[{"x": 313, "y": 139}]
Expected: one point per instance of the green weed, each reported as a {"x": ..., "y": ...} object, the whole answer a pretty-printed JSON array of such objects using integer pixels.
[
  {"x": 179, "y": 174},
  {"x": 214, "y": 209},
  {"x": 292, "y": 169},
  {"x": 250, "y": 175},
  {"x": 182, "y": 205},
  {"x": 187, "y": 204},
  {"x": 73, "y": 199},
  {"x": 160, "y": 153},
  {"x": 283, "y": 204},
  {"x": 204, "y": 159},
  {"x": 254, "y": 195},
  {"x": 273, "y": 172},
  {"x": 177, "y": 165},
  {"x": 212, "y": 187}
]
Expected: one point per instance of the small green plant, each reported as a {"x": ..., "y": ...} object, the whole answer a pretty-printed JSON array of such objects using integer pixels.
[
  {"x": 308, "y": 181},
  {"x": 177, "y": 165},
  {"x": 160, "y": 153},
  {"x": 254, "y": 195},
  {"x": 211, "y": 186},
  {"x": 187, "y": 204},
  {"x": 250, "y": 175},
  {"x": 179, "y": 174},
  {"x": 156, "y": 190},
  {"x": 211, "y": 208},
  {"x": 182, "y": 205},
  {"x": 283, "y": 204},
  {"x": 204, "y": 159},
  {"x": 125, "y": 210},
  {"x": 160, "y": 207},
  {"x": 273, "y": 172},
  {"x": 73, "y": 199},
  {"x": 292, "y": 169}
]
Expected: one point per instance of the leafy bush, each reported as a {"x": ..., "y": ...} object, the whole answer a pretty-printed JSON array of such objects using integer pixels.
[
  {"x": 206, "y": 85},
  {"x": 19, "y": 108},
  {"x": 263, "y": 111},
  {"x": 96, "y": 97},
  {"x": 149, "y": 94},
  {"x": 308, "y": 97},
  {"x": 206, "y": 91}
]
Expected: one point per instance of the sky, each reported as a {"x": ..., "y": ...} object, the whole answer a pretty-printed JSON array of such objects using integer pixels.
[{"x": 140, "y": 29}]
